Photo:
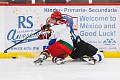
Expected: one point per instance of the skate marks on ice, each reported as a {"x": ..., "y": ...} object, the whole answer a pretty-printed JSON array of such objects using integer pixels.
[{"x": 25, "y": 69}]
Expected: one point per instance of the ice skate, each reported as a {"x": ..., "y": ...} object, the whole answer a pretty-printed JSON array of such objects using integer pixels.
[
  {"x": 60, "y": 61},
  {"x": 90, "y": 60},
  {"x": 38, "y": 61}
]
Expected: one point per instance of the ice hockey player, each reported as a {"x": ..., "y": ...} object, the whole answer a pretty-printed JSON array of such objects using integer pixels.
[
  {"x": 60, "y": 49},
  {"x": 82, "y": 48},
  {"x": 60, "y": 36},
  {"x": 78, "y": 52},
  {"x": 57, "y": 18}
]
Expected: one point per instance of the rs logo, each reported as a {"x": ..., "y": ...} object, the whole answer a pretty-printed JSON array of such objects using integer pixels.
[{"x": 24, "y": 21}]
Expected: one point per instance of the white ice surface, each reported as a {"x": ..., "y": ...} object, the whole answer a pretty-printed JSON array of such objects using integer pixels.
[{"x": 24, "y": 69}]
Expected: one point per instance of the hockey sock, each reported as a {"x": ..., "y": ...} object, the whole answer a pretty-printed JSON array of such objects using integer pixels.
[{"x": 99, "y": 56}]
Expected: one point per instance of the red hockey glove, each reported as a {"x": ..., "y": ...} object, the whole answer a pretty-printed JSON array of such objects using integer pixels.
[
  {"x": 44, "y": 36},
  {"x": 62, "y": 22}
]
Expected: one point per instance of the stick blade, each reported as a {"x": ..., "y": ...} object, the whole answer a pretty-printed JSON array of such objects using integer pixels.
[{"x": 5, "y": 51}]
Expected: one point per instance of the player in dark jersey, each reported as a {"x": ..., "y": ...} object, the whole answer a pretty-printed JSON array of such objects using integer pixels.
[{"x": 82, "y": 48}]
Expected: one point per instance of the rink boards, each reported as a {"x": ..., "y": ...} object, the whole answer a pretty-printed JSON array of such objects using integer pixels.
[
  {"x": 17, "y": 55},
  {"x": 97, "y": 24}
]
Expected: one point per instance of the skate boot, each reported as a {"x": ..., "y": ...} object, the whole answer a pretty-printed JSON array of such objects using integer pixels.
[
  {"x": 38, "y": 61},
  {"x": 59, "y": 61},
  {"x": 90, "y": 60}
]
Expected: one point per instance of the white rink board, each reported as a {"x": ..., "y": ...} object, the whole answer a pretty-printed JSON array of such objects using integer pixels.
[
  {"x": 2, "y": 29},
  {"x": 98, "y": 25}
]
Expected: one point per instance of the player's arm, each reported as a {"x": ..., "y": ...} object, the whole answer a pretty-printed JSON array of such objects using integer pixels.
[{"x": 45, "y": 32}]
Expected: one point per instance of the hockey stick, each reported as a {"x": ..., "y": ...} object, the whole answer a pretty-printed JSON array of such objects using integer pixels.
[
  {"x": 5, "y": 51},
  {"x": 107, "y": 48}
]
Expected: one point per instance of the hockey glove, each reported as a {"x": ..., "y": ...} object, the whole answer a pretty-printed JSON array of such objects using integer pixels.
[
  {"x": 46, "y": 27},
  {"x": 44, "y": 36},
  {"x": 78, "y": 38}
]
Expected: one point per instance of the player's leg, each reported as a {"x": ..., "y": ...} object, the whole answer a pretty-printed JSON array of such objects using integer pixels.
[
  {"x": 58, "y": 61},
  {"x": 45, "y": 53},
  {"x": 42, "y": 57},
  {"x": 98, "y": 57},
  {"x": 54, "y": 50},
  {"x": 75, "y": 55},
  {"x": 59, "y": 53}
]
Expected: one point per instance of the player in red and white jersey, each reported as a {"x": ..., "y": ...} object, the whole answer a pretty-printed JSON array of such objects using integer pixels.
[{"x": 62, "y": 45}]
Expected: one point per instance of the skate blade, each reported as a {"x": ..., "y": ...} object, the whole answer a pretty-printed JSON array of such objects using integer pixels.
[
  {"x": 61, "y": 62},
  {"x": 38, "y": 64},
  {"x": 87, "y": 60}
]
